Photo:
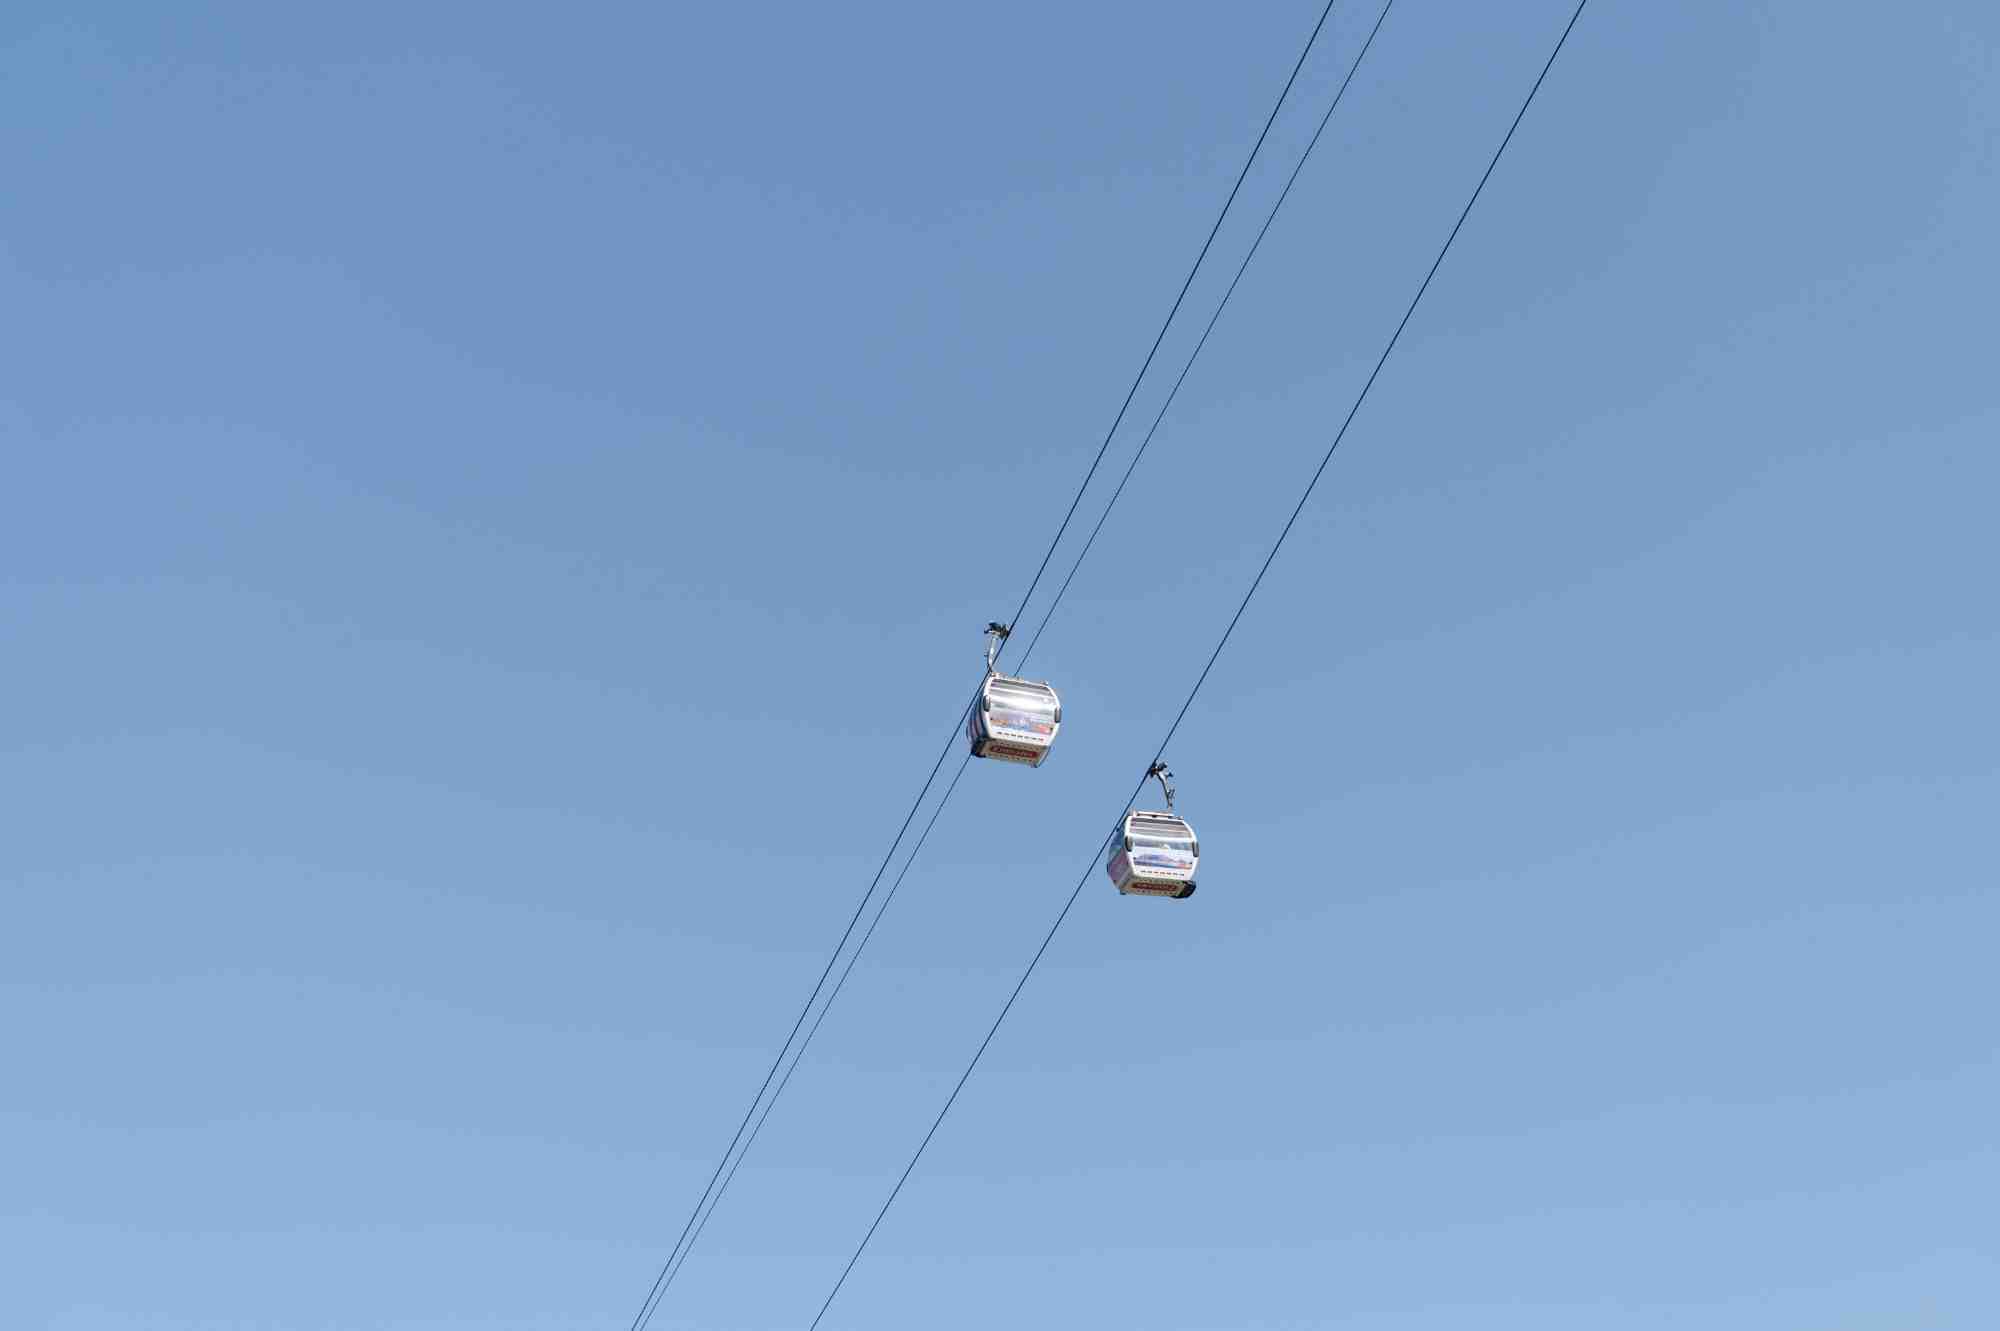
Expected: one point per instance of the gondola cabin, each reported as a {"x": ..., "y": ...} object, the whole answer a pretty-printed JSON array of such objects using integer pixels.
[
  {"x": 1155, "y": 856},
  {"x": 1015, "y": 720}
]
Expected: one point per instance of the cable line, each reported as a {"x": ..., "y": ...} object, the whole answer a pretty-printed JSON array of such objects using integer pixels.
[
  {"x": 1194, "y": 355},
  {"x": 1166, "y": 323},
  {"x": 1255, "y": 583},
  {"x": 664, "y": 1279},
  {"x": 660, "y": 1281},
  {"x": 798, "y": 1053},
  {"x": 825, "y": 1008}
]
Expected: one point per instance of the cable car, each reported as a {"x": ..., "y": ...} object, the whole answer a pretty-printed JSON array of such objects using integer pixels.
[
  {"x": 1155, "y": 854},
  {"x": 1014, "y": 720}
]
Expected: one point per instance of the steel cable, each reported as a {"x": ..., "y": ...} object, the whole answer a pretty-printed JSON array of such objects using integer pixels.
[
  {"x": 710, "y": 1191},
  {"x": 1221, "y": 643}
]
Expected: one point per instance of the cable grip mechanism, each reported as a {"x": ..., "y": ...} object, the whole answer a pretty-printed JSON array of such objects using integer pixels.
[{"x": 996, "y": 637}]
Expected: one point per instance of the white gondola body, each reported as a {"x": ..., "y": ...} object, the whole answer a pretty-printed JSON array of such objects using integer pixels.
[
  {"x": 1014, "y": 720},
  {"x": 1154, "y": 855}
]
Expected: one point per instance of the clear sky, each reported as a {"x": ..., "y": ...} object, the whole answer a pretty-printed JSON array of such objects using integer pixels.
[{"x": 497, "y": 507}]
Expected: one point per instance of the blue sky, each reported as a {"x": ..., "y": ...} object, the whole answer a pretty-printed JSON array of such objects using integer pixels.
[{"x": 497, "y": 514}]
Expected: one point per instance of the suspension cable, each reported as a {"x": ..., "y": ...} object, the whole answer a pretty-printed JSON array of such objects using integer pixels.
[
  {"x": 797, "y": 1054},
  {"x": 1255, "y": 583},
  {"x": 661, "y": 1280},
  {"x": 669, "y": 1267},
  {"x": 1180, "y": 296},
  {"x": 825, "y": 1008},
  {"x": 1202, "y": 342}
]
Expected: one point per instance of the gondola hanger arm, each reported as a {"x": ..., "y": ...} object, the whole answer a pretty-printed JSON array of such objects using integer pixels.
[{"x": 996, "y": 637}]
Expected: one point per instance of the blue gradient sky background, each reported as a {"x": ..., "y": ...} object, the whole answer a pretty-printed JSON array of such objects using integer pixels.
[{"x": 498, "y": 507}]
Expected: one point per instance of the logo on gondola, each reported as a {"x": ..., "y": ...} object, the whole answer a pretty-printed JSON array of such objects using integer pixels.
[{"x": 1001, "y": 718}]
